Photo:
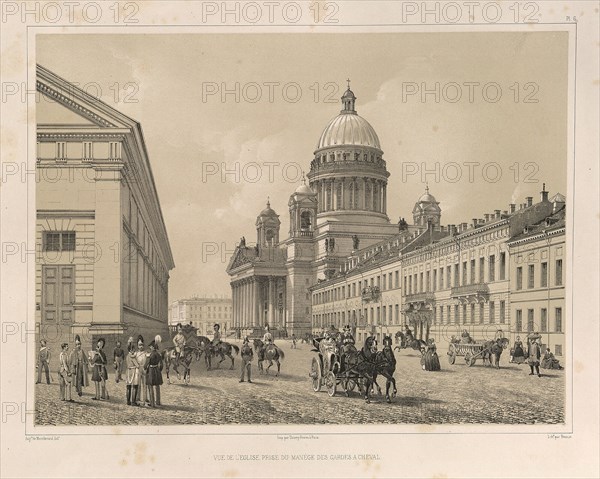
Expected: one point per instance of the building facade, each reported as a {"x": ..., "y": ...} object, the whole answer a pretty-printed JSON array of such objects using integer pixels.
[
  {"x": 480, "y": 277},
  {"x": 202, "y": 313},
  {"x": 103, "y": 255}
]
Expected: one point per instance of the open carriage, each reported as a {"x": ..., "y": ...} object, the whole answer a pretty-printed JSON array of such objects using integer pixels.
[
  {"x": 470, "y": 351},
  {"x": 327, "y": 370}
]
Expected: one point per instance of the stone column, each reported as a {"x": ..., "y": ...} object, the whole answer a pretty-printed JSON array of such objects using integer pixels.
[
  {"x": 363, "y": 203},
  {"x": 256, "y": 303},
  {"x": 384, "y": 193},
  {"x": 343, "y": 206},
  {"x": 270, "y": 302}
]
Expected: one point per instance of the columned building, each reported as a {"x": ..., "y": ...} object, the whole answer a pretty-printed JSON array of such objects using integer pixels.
[
  {"x": 103, "y": 255},
  {"x": 202, "y": 312},
  {"x": 344, "y": 205}
]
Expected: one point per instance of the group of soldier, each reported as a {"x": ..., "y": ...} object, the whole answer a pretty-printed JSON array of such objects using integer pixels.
[{"x": 143, "y": 375}]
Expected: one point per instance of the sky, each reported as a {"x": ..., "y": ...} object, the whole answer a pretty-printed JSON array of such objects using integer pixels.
[{"x": 230, "y": 120}]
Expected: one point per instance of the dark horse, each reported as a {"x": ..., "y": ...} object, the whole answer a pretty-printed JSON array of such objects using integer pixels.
[
  {"x": 385, "y": 365},
  {"x": 268, "y": 353},
  {"x": 492, "y": 350},
  {"x": 203, "y": 347},
  {"x": 363, "y": 366},
  {"x": 409, "y": 342},
  {"x": 222, "y": 349},
  {"x": 169, "y": 357}
]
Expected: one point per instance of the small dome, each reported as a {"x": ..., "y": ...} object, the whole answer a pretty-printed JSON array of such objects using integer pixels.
[
  {"x": 427, "y": 198},
  {"x": 268, "y": 211},
  {"x": 304, "y": 189}
]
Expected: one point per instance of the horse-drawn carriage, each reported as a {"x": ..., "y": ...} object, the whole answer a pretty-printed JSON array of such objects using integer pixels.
[
  {"x": 472, "y": 351},
  {"x": 326, "y": 369}
]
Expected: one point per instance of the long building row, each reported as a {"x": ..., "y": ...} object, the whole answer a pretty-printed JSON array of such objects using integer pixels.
[{"x": 505, "y": 271}]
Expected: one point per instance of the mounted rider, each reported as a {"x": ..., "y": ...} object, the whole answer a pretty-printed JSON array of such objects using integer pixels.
[
  {"x": 216, "y": 336},
  {"x": 408, "y": 336},
  {"x": 179, "y": 341}
]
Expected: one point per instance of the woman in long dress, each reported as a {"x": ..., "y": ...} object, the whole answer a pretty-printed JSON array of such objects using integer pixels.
[{"x": 518, "y": 355}]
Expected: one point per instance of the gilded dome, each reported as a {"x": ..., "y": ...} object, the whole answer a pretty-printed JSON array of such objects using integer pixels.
[{"x": 348, "y": 129}]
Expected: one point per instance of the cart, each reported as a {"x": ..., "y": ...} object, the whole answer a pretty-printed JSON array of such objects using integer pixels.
[{"x": 470, "y": 351}]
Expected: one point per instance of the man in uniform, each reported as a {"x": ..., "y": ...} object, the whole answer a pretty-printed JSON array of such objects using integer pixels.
[
  {"x": 348, "y": 343},
  {"x": 43, "y": 361},
  {"x": 534, "y": 354},
  {"x": 216, "y": 336},
  {"x": 179, "y": 341},
  {"x": 118, "y": 358},
  {"x": 268, "y": 337},
  {"x": 247, "y": 356}
]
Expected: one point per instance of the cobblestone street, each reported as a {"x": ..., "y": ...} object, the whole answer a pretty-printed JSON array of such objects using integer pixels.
[{"x": 456, "y": 394}]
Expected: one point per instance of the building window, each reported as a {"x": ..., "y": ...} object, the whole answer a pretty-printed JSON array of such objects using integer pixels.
[
  {"x": 405, "y": 290},
  {"x": 492, "y": 312},
  {"x": 390, "y": 281},
  {"x": 397, "y": 274},
  {"x": 441, "y": 278},
  {"x": 421, "y": 282},
  {"x": 434, "y": 315},
  {"x": 502, "y": 266},
  {"x": 448, "y": 312},
  {"x": 434, "y": 284},
  {"x": 464, "y": 273},
  {"x": 472, "y": 271},
  {"x": 441, "y": 315},
  {"x": 544, "y": 320},
  {"x": 492, "y": 268},
  {"x": 456, "y": 283},
  {"x": 544, "y": 275},
  {"x": 480, "y": 313},
  {"x": 58, "y": 241},
  {"x": 481, "y": 270},
  {"x": 410, "y": 284},
  {"x": 502, "y": 312},
  {"x": 464, "y": 314},
  {"x": 558, "y": 281},
  {"x": 531, "y": 276},
  {"x": 397, "y": 313},
  {"x": 519, "y": 278},
  {"x": 383, "y": 283},
  {"x": 530, "y": 320},
  {"x": 383, "y": 314},
  {"x": 456, "y": 314},
  {"x": 472, "y": 313},
  {"x": 558, "y": 320},
  {"x": 448, "y": 276},
  {"x": 519, "y": 320},
  {"x": 558, "y": 349}
]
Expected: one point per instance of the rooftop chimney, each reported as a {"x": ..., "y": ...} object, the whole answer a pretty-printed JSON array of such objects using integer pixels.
[
  {"x": 475, "y": 222},
  {"x": 513, "y": 208},
  {"x": 464, "y": 226},
  {"x": 505, "y": 212},
  {"x": 497, "y": 214},
  {"x": 481, "y": 221},
  {"x": 487, "y": 217},
  {"x": 529, "y": 201},
  {"x": 543, "y": 193}
]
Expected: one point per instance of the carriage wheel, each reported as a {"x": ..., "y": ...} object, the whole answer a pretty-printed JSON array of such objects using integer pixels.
[
  {"x": 451, "y": 358},
  {"x": 315, "y": 374},
  {"x": 350, "y": 385},
  {"x": 330, "y": 383}
]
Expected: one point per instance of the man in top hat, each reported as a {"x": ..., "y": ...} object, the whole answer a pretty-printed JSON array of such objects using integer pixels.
[
  {"x": 216, "y": 336},
  {"x": 534, "y": 354}
]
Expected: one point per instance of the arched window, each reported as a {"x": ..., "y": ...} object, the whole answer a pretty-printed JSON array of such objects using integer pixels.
[
  {"x": 305, "y": 221},
  {"x": 269, "y": 236}
]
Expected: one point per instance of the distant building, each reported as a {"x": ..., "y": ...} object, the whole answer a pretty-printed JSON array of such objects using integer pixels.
[
  {"x": 202, "y": 313},
  {"x": 103, "y": 255}
]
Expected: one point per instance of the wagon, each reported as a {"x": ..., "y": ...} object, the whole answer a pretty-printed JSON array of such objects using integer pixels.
[
  {"x": 326, "y": 370},
  {"x": 470, "y": 351}
]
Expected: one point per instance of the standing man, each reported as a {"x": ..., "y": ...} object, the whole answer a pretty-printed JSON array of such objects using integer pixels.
[
  {"x": 78, "y": 364},
  {"x": 64, "y": 374},
  {"x": 118, "y": 358},
  {"x": 142, "y": 359},
  {"x": 534, "y": 354},
  {"x": 43, "y": 361},
  {"x": 247, "y": 356},
  {"x": 153, "y": 375}
]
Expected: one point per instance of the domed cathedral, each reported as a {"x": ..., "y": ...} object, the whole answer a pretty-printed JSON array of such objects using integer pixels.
[
  {"x": 427, "y": 209},
  {"x": 349, "y": 176},
  {"x": 342, "y": 209}
]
